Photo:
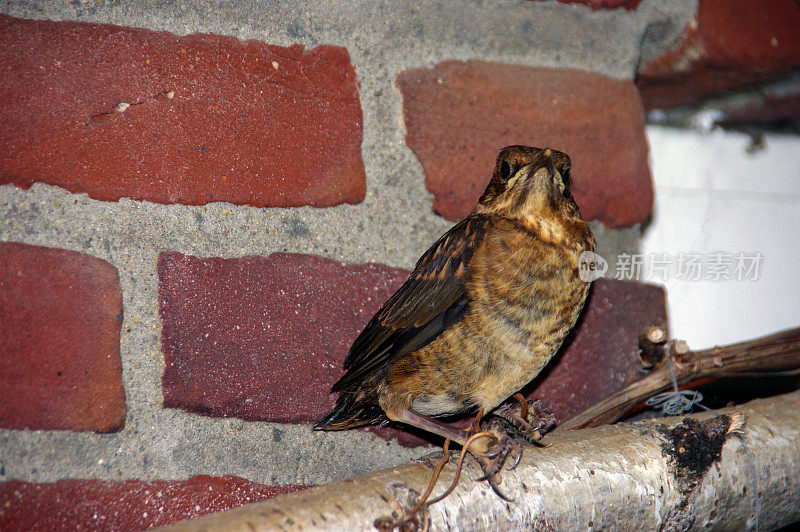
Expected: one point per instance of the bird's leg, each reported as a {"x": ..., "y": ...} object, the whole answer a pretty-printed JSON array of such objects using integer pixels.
[
  {"x": 490, "y": 446},
  {"x": 476, "y": 424},
  {"x": 530, "y": 418},
  {"x": 428, "y": 424}
]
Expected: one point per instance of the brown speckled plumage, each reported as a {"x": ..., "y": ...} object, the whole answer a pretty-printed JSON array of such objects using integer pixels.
[{"x": 485, "y": 309}]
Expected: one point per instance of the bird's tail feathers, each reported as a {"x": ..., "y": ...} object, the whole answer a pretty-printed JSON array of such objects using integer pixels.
[{"x": 351, "y": 411}]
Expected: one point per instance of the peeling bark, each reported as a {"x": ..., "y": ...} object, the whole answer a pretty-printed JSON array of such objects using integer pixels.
[{"x": 682, "y": 473}]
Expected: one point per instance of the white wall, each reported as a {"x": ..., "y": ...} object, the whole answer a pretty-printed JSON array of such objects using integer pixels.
[{"x": 712, "y": 196}]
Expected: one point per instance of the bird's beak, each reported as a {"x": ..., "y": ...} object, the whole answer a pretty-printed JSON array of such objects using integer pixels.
[{"x": 543, "y": 160}]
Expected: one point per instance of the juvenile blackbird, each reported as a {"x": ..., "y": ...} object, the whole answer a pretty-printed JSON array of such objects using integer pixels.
[{"x": 485, "y": 309}]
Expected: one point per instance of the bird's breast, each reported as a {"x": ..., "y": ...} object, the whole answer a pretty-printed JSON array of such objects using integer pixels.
[{"x": 526, "y": 298}]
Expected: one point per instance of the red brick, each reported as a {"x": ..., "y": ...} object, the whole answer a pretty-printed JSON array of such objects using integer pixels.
[
  {"x": 599, "y": 357},
  {"x": 458, "y": 115},
  {"x": 729, "y": 44},
  {"x": 263, "y": 338},
  {"x": 248, "y": 123},
  {"x": 60, "y": 365},
  {"x": 127, "y": 505}
]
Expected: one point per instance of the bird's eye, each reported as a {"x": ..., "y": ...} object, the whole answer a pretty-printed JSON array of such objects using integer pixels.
[
  {"x": 565, "y": 178},
  {"x": 505, "y": 169}
]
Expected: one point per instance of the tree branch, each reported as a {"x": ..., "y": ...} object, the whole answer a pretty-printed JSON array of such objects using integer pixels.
[
  {"x": 776, "y": 354},
  {"x": 688, "y": 473}
]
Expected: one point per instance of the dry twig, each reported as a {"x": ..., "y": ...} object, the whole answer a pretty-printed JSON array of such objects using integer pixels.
[{"x": 776, "y": 354}]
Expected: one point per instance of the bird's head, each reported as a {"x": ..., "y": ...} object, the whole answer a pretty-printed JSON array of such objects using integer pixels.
[{"x": 530, "y": 182}]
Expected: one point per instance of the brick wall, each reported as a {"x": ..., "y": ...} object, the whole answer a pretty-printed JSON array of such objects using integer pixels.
[
  {"x": 728, "y": 44},
  {"x": 195, "y": 224},
  {"x": 736, "y": 62}
]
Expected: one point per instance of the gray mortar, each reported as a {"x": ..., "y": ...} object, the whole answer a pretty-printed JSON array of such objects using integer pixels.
[{"x": 394, "y": 225}]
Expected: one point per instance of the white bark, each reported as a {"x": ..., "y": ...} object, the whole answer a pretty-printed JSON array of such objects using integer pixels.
[{"x": 620, "y": 477}]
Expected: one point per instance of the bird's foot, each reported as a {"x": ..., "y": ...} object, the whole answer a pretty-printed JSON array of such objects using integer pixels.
[
  {"x": 493, "y": 451},
  {"x": 530, "y": 419}
]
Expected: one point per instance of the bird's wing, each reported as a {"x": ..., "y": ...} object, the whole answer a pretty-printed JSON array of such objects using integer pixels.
[{"x": 430, "y": 301}]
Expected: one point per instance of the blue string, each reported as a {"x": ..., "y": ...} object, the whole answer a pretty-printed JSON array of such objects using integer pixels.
[{"x": 676, "y": 402}]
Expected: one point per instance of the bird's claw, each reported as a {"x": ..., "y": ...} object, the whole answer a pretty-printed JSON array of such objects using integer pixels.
[
  {"x": 531, "y": 421},
  {"x": 493, "y": 452},
  {"x": 494, "y": 481},
  {"x": 494, "y": 457},
  {"x": 517, "y": 454}
]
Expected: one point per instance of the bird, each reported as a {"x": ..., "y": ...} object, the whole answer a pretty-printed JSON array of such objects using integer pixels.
[{"x": 483, "y": 312}]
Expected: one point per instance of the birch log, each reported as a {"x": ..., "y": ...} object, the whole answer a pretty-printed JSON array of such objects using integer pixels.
[{"x": 680, "y": 473}]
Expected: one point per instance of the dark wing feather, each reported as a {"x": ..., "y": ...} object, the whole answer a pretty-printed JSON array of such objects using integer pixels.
[{"x": 430, "y": 301}]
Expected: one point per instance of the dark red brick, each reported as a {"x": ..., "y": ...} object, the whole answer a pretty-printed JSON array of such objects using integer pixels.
[
  {"x": 211, "y": 118},
  {"x": 605, "y": 4},
  {"x": 60, "y": 365},
  {"x": 263, "y": 338},
  {"x": 599, "y": 358},
  {"x": 460, "y": 114},
  {"x": 127, "y": 505},
  {"x": 729, "y": 44}
]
